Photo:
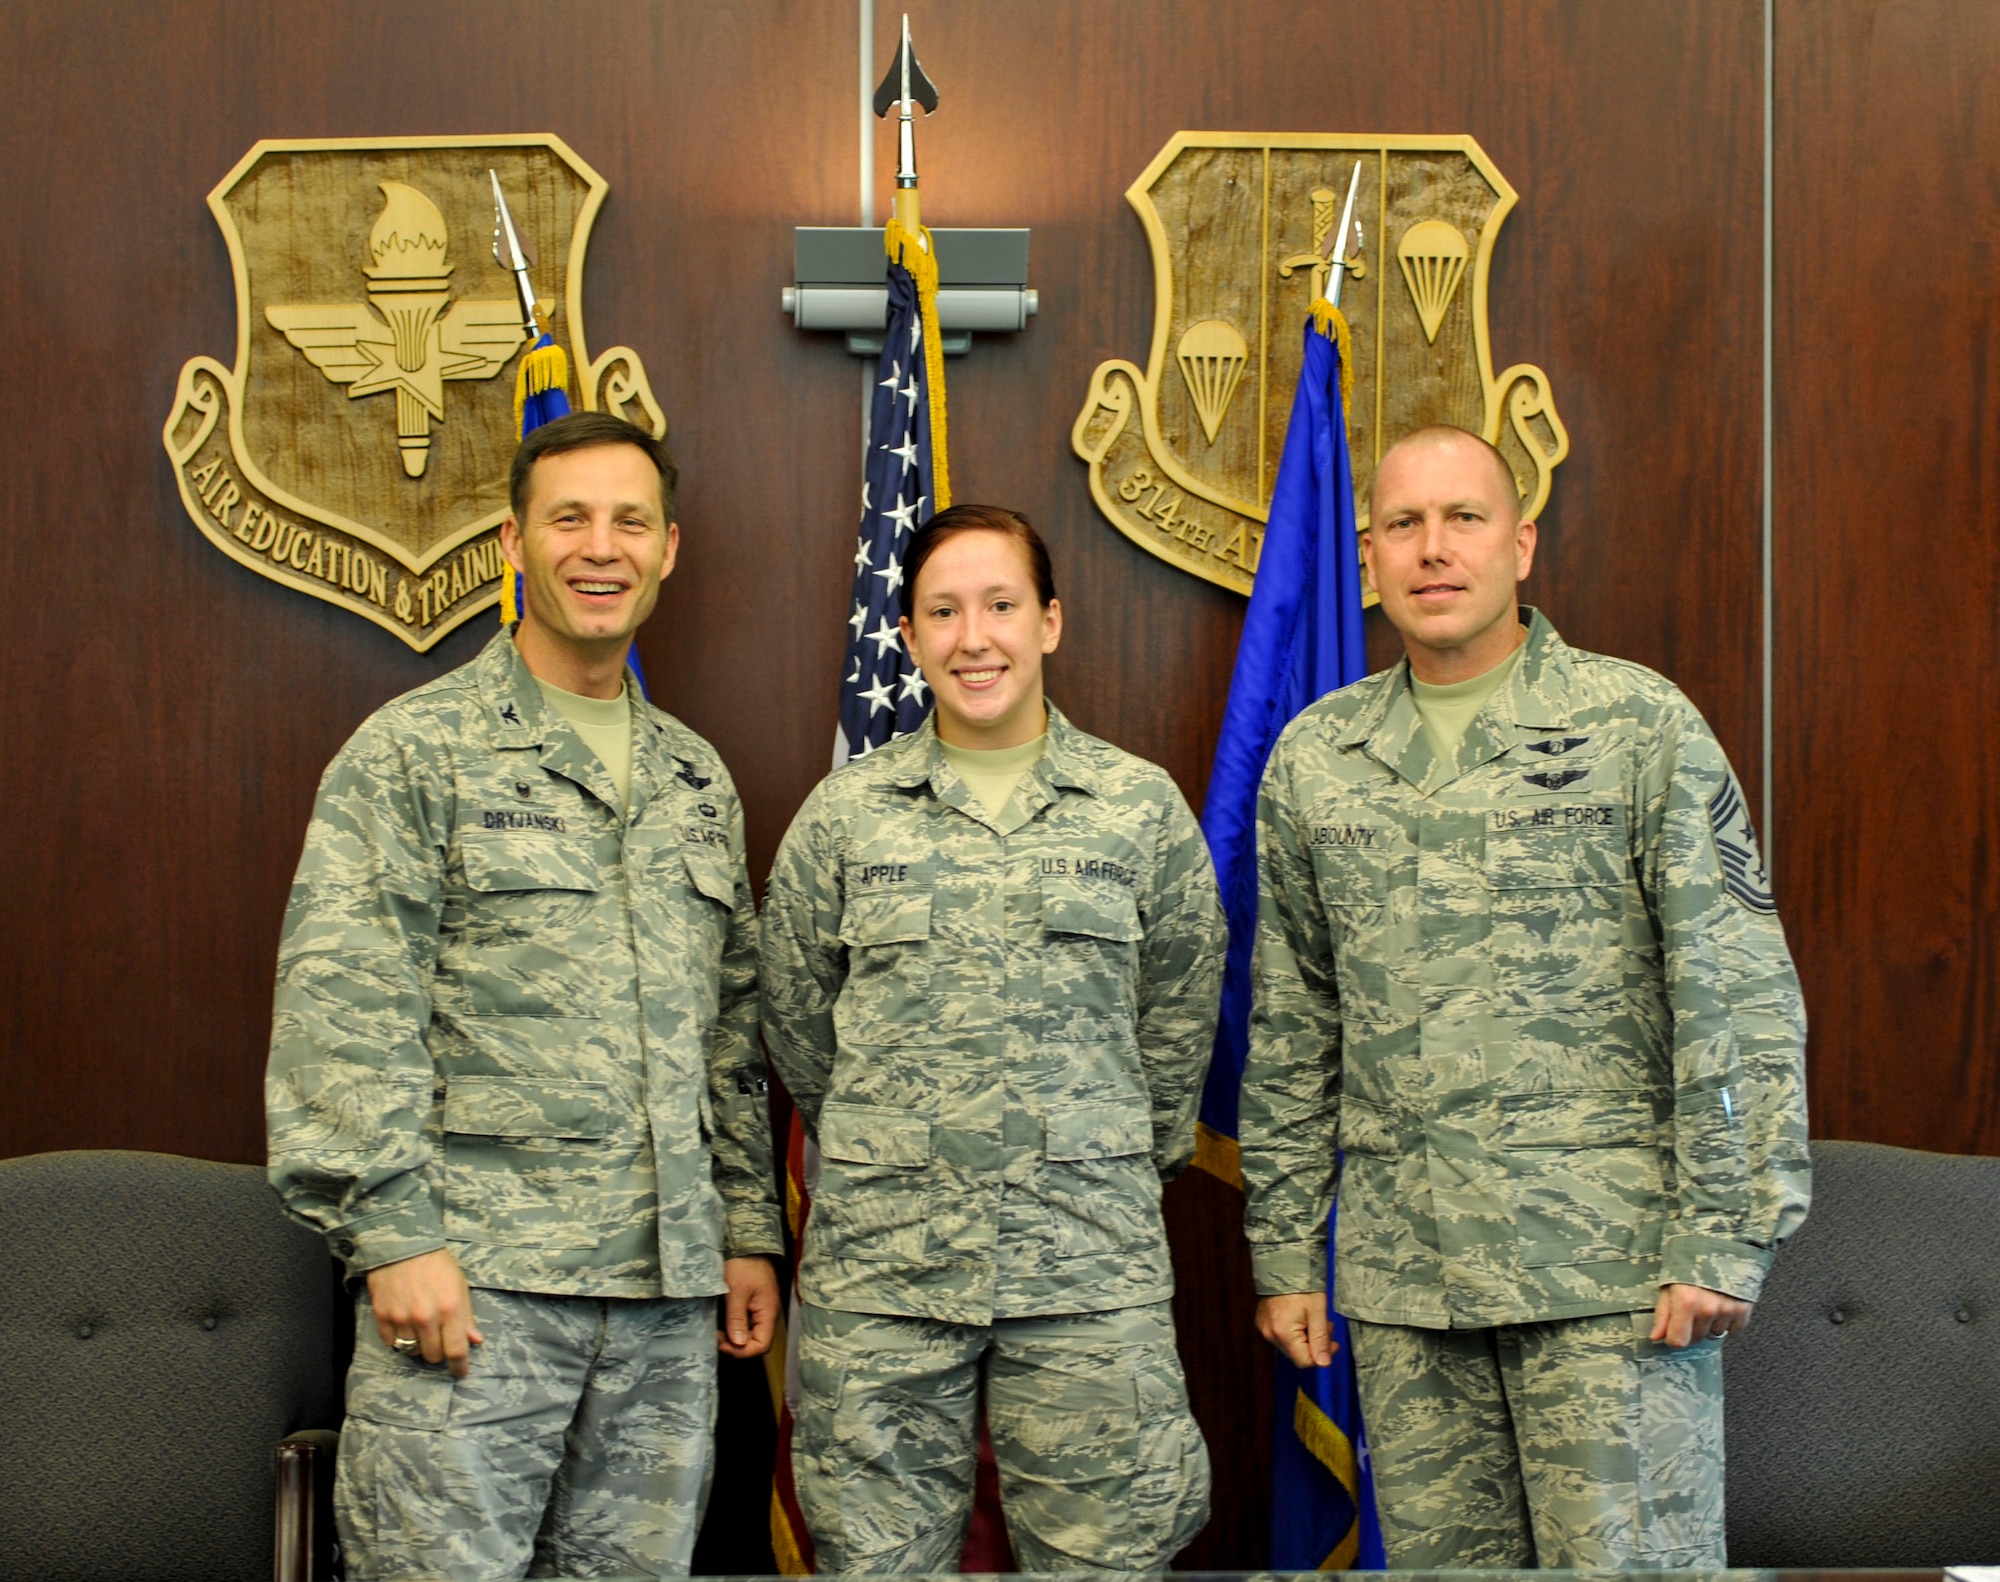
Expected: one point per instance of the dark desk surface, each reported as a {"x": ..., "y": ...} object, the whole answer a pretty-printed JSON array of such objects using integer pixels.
[{"x": 1471, "y": 1576}]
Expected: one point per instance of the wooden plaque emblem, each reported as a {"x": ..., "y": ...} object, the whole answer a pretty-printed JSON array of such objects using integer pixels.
[
  {"x": 358, "y": 450},
  {"x": 1183, "y": 454}
]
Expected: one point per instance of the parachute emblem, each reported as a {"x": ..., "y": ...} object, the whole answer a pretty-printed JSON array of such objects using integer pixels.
[
  {"x": 1433, "y": 255},
  {"x": 1212, "y": 355}
]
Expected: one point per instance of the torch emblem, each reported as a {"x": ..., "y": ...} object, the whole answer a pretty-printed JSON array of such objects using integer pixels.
[
  {"x": 415, "y": 345},
  {"x": 358, "y": 449}
]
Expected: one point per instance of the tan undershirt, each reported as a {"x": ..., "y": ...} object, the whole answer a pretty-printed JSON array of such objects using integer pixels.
[
  {"x": 993, "y": 774},
  {"x": 1449, "y": 710},
  {"x": 605, "y": 724}
]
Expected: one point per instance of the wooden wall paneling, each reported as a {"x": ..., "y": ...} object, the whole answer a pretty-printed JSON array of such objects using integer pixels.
[{"x": 1887, "y": 486}]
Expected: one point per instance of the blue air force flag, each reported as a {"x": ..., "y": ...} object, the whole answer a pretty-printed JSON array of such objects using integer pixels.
[{"x": 1301, "y": 639}]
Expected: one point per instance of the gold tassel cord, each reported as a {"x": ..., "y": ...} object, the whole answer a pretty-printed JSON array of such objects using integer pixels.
[
  {"x": 918, "y": 256},
  {"x": 1331, "y": 323},
  {"x": 543, "y": 369}
]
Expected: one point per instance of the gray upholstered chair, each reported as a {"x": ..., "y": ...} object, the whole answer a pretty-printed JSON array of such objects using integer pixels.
[
  {"x": 163, "y": 1328},
  {"x": 1863, "y": 1404}
]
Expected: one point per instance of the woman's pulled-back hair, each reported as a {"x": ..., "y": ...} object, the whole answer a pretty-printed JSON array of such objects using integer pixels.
[{"x": 976, "y": 518}]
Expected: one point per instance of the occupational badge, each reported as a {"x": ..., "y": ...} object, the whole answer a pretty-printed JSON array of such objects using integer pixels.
[
  {"x": 1184, "y": 453},
  {"x": 358, "y": 450}
]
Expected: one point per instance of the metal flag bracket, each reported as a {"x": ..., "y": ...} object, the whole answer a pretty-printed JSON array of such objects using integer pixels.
[{"x": 982, "y": 275}]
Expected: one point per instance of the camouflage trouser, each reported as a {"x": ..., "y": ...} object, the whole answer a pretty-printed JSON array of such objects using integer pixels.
[
  {"x": 579, "y": 1445},
  {"x": 1101, "y": 1464},
  {"x": 1577, "y": 1443}
]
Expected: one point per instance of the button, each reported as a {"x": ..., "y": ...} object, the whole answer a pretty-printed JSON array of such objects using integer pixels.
[
  {"x": 1963, "y": 1315},
  {"x": 208, "y": 1321},
  {"x": 1837, "y": 1316},
  {"x": 84, "y": 1331},
  {"x": 344, "y": 1248}
]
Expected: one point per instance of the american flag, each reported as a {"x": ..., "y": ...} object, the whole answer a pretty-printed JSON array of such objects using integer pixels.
[{"x": 882, "y": 693}]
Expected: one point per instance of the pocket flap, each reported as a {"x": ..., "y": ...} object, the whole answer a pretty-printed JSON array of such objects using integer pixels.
[
  {"x": 710, "y": 876},
  {"x": 891, "y": 917},
  {"x": 1579, "y": 1118},
  {"x": 1556, "y": 845},
  {"x": 1102, "y": 910},
  {"x": 525, "y": 1107},
  {"x": 1098, "y": 1132},
  {"x": 502, "y": 860},
  {"x": 866, "y": 1134}
]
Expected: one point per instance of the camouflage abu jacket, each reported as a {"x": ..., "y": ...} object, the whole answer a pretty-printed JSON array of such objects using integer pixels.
[
  {"x": 995, "y": 1034},
  {"x": 513, "y": 1022},
  {"x": 1539, "y": 996}
]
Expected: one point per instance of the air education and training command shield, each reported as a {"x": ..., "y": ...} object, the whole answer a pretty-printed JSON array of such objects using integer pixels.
[
  {"x": 359, "y": 448},
  {"x": 1238, "y": 222}
]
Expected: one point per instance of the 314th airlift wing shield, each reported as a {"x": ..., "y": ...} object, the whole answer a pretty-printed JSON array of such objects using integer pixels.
[
  {"x": 358, "y": 450},
  {"x": 1183, "y": 455}
]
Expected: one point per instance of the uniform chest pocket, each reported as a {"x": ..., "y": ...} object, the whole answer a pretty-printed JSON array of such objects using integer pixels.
[
  {"x": 885, "y": 923},
  {"x": 1098, "y": 909},
  {"x": 503, "y": 862},
  {"x": 892, "y": 917},
  {"x": 1351, "y": 856},
  {"x": 1090, "y": 961},
  {"x": 710, "y": 877},
  {"x": 1556, "y": 846}
]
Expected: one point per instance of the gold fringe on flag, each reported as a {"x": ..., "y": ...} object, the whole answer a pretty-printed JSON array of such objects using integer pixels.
[
  {"x": 1329, "y": 321},
  {"x": 916, "y": 254},
  {"x": 1333, "y": 1450},
  {"x": 545, "y": 368}
]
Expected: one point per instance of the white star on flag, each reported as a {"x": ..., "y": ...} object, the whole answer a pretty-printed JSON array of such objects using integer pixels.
[
  {"x": 903, "y": 512},
  {"x": 885, "y": 637},
  {"x": 864, "y": 553},
  {"x": 878, "y": 696},
  {"x": 892, "y": 574},
  {"x": 913, "y": 686}
]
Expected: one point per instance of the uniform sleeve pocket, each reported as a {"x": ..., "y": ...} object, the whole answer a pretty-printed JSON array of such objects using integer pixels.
[
  {"x": 1101, "y": 911},
  {"x": 1369, "y": 1129},
  {"x": 1579, "y": 1118},
  {"x": 497, "y": 861},
  {"x": 866, "y": 1134},
  {"x": 1097, "y": 1132},
  {"x": 525, "y": 1107}
]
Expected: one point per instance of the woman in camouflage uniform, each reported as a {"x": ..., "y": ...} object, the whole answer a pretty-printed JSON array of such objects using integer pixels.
[{"x": 991, "y": 957}]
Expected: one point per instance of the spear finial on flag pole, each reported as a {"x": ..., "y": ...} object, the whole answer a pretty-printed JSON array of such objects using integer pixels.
[
  {"x": 906, "y": 84},
  {"x": 908, "y": 244}
]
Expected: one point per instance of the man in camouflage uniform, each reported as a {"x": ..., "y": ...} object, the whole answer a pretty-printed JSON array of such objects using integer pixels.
[
  {"x": 1523, "y": 969},
  {"x": 514, "y": 1075},
  {"x": 995, "y": 1017}
]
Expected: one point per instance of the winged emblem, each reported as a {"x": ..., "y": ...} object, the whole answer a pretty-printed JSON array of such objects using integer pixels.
[{"x": 414, "y": 345}]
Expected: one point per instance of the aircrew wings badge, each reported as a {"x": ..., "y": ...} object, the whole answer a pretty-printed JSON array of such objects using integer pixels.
[
  {"x": 358, "y": 450},
  {"x": 1183, "y": 453}
]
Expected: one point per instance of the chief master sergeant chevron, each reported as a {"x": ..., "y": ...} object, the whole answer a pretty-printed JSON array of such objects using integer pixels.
[
  {"x": 1516, "y": 957},
  {"x": 514, "y": 1050}
]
